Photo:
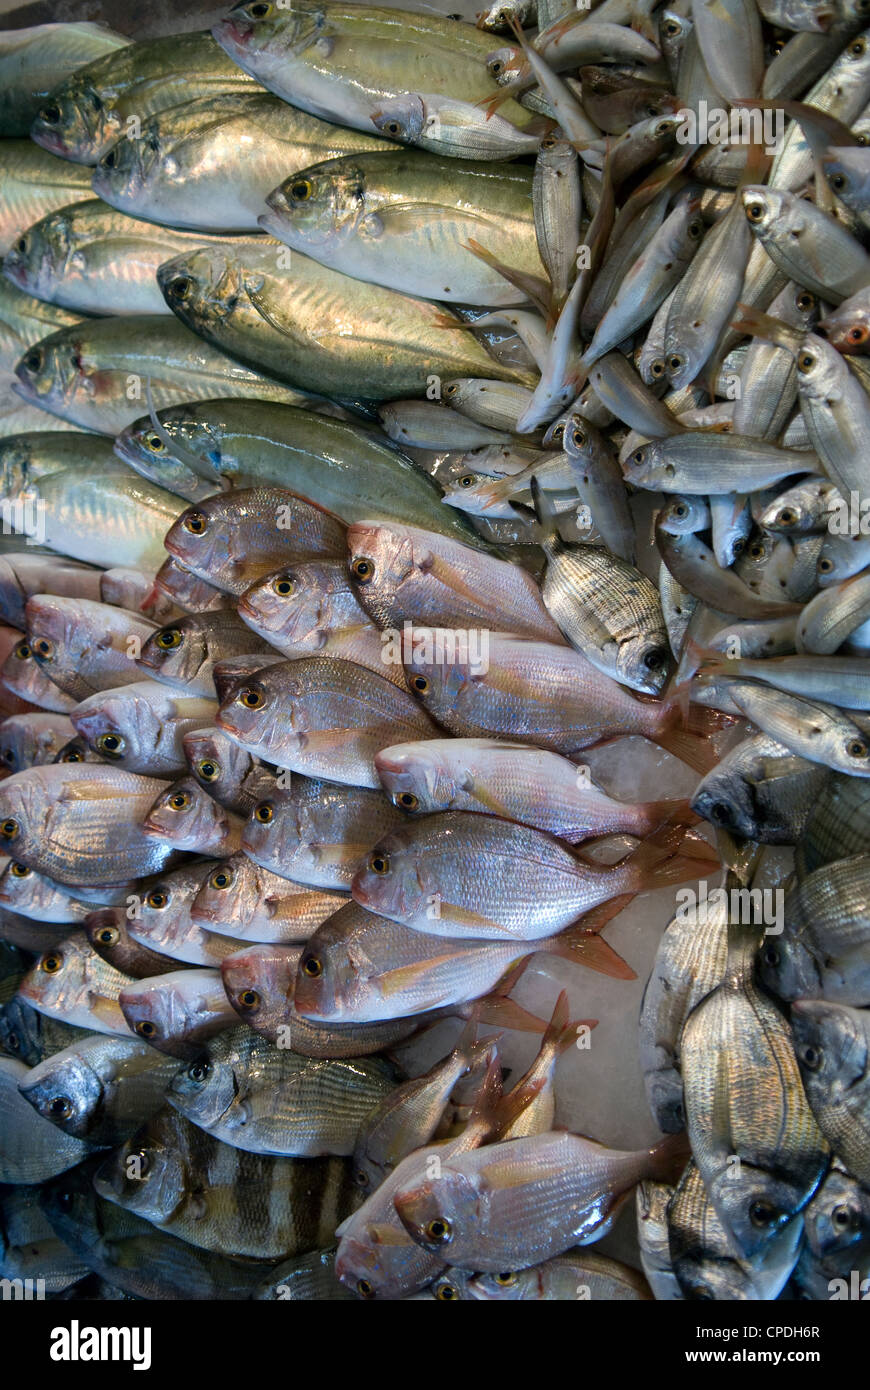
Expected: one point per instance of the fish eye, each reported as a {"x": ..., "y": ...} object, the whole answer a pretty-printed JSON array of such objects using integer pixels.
[
  {"x": 60, "y": 1107},
  {"x": 379, "y": 864},
  {"x": 249, "y": 999},
  {"x": 21, "y": 244},
  {"x": 671, "y": 28},
  {"x": 578, "y": 438},
  {"x": 701, "y": 1291},
  {"x": 158, "y": 898},
  {"x": 467, "y": 480},
  {"x": 110, "y": 159},
  {"x": 9, "y": 829},
  {"x": 825, "y": 565},
  {"x": 447, "y": 1293},
  {"x": 857, "y": 335},
  {"x": 393, "y": 128},
  {"x": 755, "y": 212},
  {"x": 838, "y": 182},
  {"x": 208, "y": 771},
  {"x": 408, "y": 800},
  {"x": 506, "y": 1280},
  {"x": 113, "y": 744},
  {"x": 787, "y": 517},
  {"x": 198, "y": 1071},
  {"x": 362, "y": 569},
  {"x": 178, "y": 801},
  {"x": 857, "y": 748},
  {"x": 842, "y": 1218},
  {"x": 662, "y": 128},
  {"x": 770, "y": 955},
  {"x": 108, "y": 936},
  {"x": 154, "y": 443},
  {"x": 301, "y": 190},
  {"x": 361, "y": 1178},
  {"x": 364, "y": 1288},
  {"x": 283, "y": 586},
  {"x": 421, "y": 684},
  {"x": 8, "y": 755},
  {"x": 805, "y": 301},
  {"x": 762, "y": 1214},
  {"x": 312, "y": 966},
  {"x": 74, "y": 755},
  {"x": 259, "y": 10},
  {"x": 42, "y": 647},
  {"x": 23, "y": 652},
  {"x": 264, "y": 813},
  {"x": 51, "y": 962},
  {"x": 13, "y": 1042},
  {"x": 811, "y": 1056},
  {"x": 195, "y": 523},
  {"x": 146, "y": 1029},
  {"x": 558, "y": 430},
  {"x": 250, "y": 698},
  {"x": 34, "y": 359},
  {"x": 440, "y": 1229},
  {"x": 695, "y": 229},
  {"x": 637, "y": 457},
  {"x": 451, "y": 389},
  {"x": 858, "y": 48},
  {"x": 169, "y": 638},
  {"x": 142, "y": 1165},
  {"x": 720, "y": 812},
  {"x": 221, "y": 879},
  {"x": 655, "y": 659},
  {"x": 496, "y": 67},
  {"x": 181, "y": 288},
  {"x": 50, "y": 114},
  {"x": 675, "y": 362},
  {"x": 657, "y": 367},
  {"x": 18, "y": 870},
  {"x": 806, "y": 361},
  {"x": 679, "y": 510}
]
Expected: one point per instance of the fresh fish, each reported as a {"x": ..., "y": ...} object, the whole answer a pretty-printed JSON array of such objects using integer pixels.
[
  {"x": 34, "y": 61},
  {"x": 177, "y": 1012},
  {"x": 183, "y": 653},
  {"x": 317, "y": 329},
  {"x": 223, "y": 769},
  {"x": 72, "y": 983},
  {"x": 160, "y": 920},
  {"x": 31, "y": 1150},
  {"x": 29, "y": 740},
  {"x": 107, "y": 929},
  {"x": 23, "y": 575},
  {"x": 762, "y": 791},
  {"x": 404, "y": 220},
  {"x": 187, "y": 817},
  {"x": 570, "y": 1276},
  {"x": 823, "y": 952},
  {"x": 515, "y": 781},
  {"x": 24, "y": 321},
  {"x": 831, "y": 1043},
  {"x": 651, "y": 1202},
  {"x": 704, "y": 464},
  {"x": 100, "y": 1089},
  {"x": 837, "y": 825},
  {"x": 242, "y": 899},
  {"x": 264, "y": 1099},
  {"x": 31, "y": 1036},
  {"x": 83, "y": 646},
  {"x": 141, "y": 725}
]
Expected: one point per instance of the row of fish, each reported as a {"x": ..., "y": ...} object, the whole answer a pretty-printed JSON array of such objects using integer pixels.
[{"x": 376, "y": 457}]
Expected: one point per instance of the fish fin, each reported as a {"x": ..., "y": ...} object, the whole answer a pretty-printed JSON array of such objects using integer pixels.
[
  {"x": 492, "y": 804},
  {"x": 562, "y": 1033},
  {"x": 380, "y": 1233},
  {"x": 406, "y": 976},
  {"x": 444, "y": 320},
  {"x": 531, "y": 285},
  {"x": 586, "y": 947},
  {"x": 672, "y": 855},
  {"x": 669, "y": 1157},
  {"x": 772, "y": 330},
  {"x": 687, "y": 733}
]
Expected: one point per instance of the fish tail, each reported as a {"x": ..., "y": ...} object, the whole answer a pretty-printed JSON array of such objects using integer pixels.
[
  {"x": 582, "y": 943},
  {"x": 760, "y": 325},
  {"x": 675, "y": 812},
  {"x": 686, "y": 731},
  {"x": 497, "y": 1010},
  {"x": 672, "y": 855},
  {"x": 562, "y": 1034},
  {"x": 669, "y": 1158}
]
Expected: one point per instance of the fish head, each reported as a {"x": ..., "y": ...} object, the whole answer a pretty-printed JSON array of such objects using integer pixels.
[
  {"x": 375, "y": 1260},
  {"x": 203, "y": 1090},
  {"x": 166, "y": 905},
  {"x": 648, "y": 466},
  {"x": 39, "y": 258},
  {"x": 831, "y": 1047},
  {"x": 274, "y": 827},
  {"x": 822, "y": 371},
  {"x": 705, "y": 1274},
  {"x": 58, "y": 977},
  {"x": 156, "y": 1010},
  {"x": 185, "y": 816},
  {"x": 763, "y": 208},
  {"x": 75, "y": 123},
  {"x": 193, "y": 471},
  {"x": 227, "y": 896},
  {"x": 381, "y": 560},
  {"x": 76, "y": 750},
  {"x": 440, "y": 685},
  {"x": 264, "y": 37},
  {"x": 329, "y": 975},
  {"x": 25, "y": 809},
  {"x": 754, "y": 1207},
  {"x": 176, "y": 653},
  {"x": 203, "y": 539},
  {"x": 16, "y": 472},
  {"x": 437, "y": 1212},
  {"x": 59, "y": 637},
  {"x": 106, "y": 930},
  {"x": 401, "y": 118},
  {"x": 838, "y": 1216},
  {"x": 392, "y": 882},
  {"x": 724, "y": 798},
  {"x": 291, "y": 605},
  {"x": 20, "y": 1028},
  {"x": 128, "y": 169},
  {"x": 259, "y": 983},
  {"x": 66, "y": 1090},
  {"x": 478, "y": 494},
  {"x": 848, "y": 331},
  {"x": 787, "y": 968},
  {"x": 217, "y": 763},
  {"x": 323, "y": 207},
  {"x": 51, "y": 373},
  {"x": 22, "y": 889},
  {"x": 415, "y": 779},
  {"x": 17, "y": 744},
  {"x": 146, "y": 1176},
  {"x": 204, "y": 288},
  {"x": 511, "y": 1286},
  {"x": 247, "y": 713},
  {"x": 506, "y": 64},
  {"x": 645, "y": 662},
  {"x": 124, "y": 725}
]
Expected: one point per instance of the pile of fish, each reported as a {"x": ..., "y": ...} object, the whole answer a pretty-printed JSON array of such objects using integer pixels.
[{"x": 398, "y": 413}]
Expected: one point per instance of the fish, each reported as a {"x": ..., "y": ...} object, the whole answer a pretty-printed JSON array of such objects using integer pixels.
[
  {"x": 188, "y": 818},
  {"x": 651, "y": 1205},
  {"x": 34, "y": 61},
  {"x": 332, "y": 718},
  {"x": 29, "y": 740},
  {"x": 224, "y": 770},
  {"x": 107, "y": 929},
  {"x": 831, "y": 1045},
  {"x": 34, "y": 183},
  {"x": 246, "y": 304},
  {"x": 402, "y": 574},
  {"x": 587, "y": 1275},
  {"x": 36, "y": 896},
  {"x": 456, "y": 128},
  {"x": 837, "y": 826},
  {"x": 762, "y": 791},
  {"x": 403, "y": 219},
  {"x": 141, "y": 725},
  {"x": 783, "y": 1155},
  {"x": 191, "y": 1185},
  {"x": 96, "y": 374},
  {"x": 84, "y": 646},
  {"x": 182, "y": 654},
  {"x": 514, "y": 781},
  {"x": 166, "y": 173},
  {"x": 24, "y": 320},
  {"x": 177, "y": 1012},
  {"x": 31, "y": 1150},
  {"x": 160, "y": 920},
  {"x": 30, "y": 1036},
  {"x": 242, "y": 899},
  {"x": 72, "y": 983},
  {"x": 822, "y": 954},
  {"x": 80, "y": 823},
  {"x": 264, "y": 1099},
  {"x": 477, "y": 1211},
  {"x": 438, "y": 876},
  {"x": 317, "y": 833},
  {"x": 85, "y": 114},
  {"x": 101, "y": 1089},
  {"x": 24, "y": 575},
  {"x": 306, "y": 608}
]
